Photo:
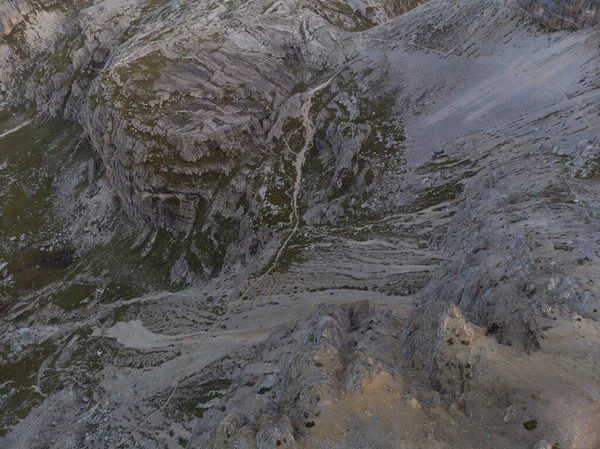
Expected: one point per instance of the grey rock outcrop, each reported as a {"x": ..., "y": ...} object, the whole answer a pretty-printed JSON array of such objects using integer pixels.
[
  {"x": 269, "y": 432},
  {"x": 334, "y": 350},
  {"x": 174, "y": 120},
  {"x": 564, "y": 13},
  {"x": 542, "y": 444},
  {"x": 13, "y": 12}
]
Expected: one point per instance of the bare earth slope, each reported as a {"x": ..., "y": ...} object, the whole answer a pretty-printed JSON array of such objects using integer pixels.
[{"x": 390, "y": 237}]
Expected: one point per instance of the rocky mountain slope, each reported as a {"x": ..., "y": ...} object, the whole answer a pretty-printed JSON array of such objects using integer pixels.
[
  {"x": 564, "y": 13},
  {"x": 299, "y": 224}
]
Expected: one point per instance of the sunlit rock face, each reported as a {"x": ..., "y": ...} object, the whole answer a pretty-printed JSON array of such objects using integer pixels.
[
  {"x": 564, "y": 13},
  {"x": 12, "y": 12}
]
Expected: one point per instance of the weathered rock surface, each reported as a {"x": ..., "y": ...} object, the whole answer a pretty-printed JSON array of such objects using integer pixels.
[
  {"x": 285, "y": 162},
  {"x": 564, "y": 13},
  {"x": 12, "y": 13},
  {"x": 175, "y": 121}
]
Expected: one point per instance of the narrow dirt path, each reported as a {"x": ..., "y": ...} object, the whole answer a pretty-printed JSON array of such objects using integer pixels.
[
  {"x": 309, "y": 132},
  {"x": 15, "y": 129}
]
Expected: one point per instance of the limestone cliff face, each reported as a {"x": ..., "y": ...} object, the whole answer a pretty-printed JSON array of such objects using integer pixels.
[
  {"x": 178, "y": 115},
  {"x": 564, "y": 13},
  {"x": 174, "y": 119},
  {"x": 199, "y": 111}
]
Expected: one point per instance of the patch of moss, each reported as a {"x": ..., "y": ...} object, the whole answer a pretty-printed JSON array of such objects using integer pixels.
[
  {"x": 293, "y": 253},
  {"x": 362, "y": 25},
  {"x": 441, "y": 162},
  {"x": 557, "y": 194},
  {"x": 157, "y": 3},
  {"x": 19, "y": 382},
  {"x": 299, "y": 88},
  {"x": 267, "y": 7},
  {"x": 132, "y": 87},
  {"x": 34, "y": 154},
  {"x": 212, "y": 243},
  {"x": 192, "y": 396},
  {"x": 292, "y": 125},
  {"x": 437, "y": 195},
  {"x": 592, "y": 170},
  {"x": 72, "y": 296}
]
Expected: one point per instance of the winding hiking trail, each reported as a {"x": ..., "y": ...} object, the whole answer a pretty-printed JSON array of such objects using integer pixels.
[
  {"x": 298, "y": 164},
  {"x": 309, "y": 132},
  {"x": 15, "y": 129}
]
